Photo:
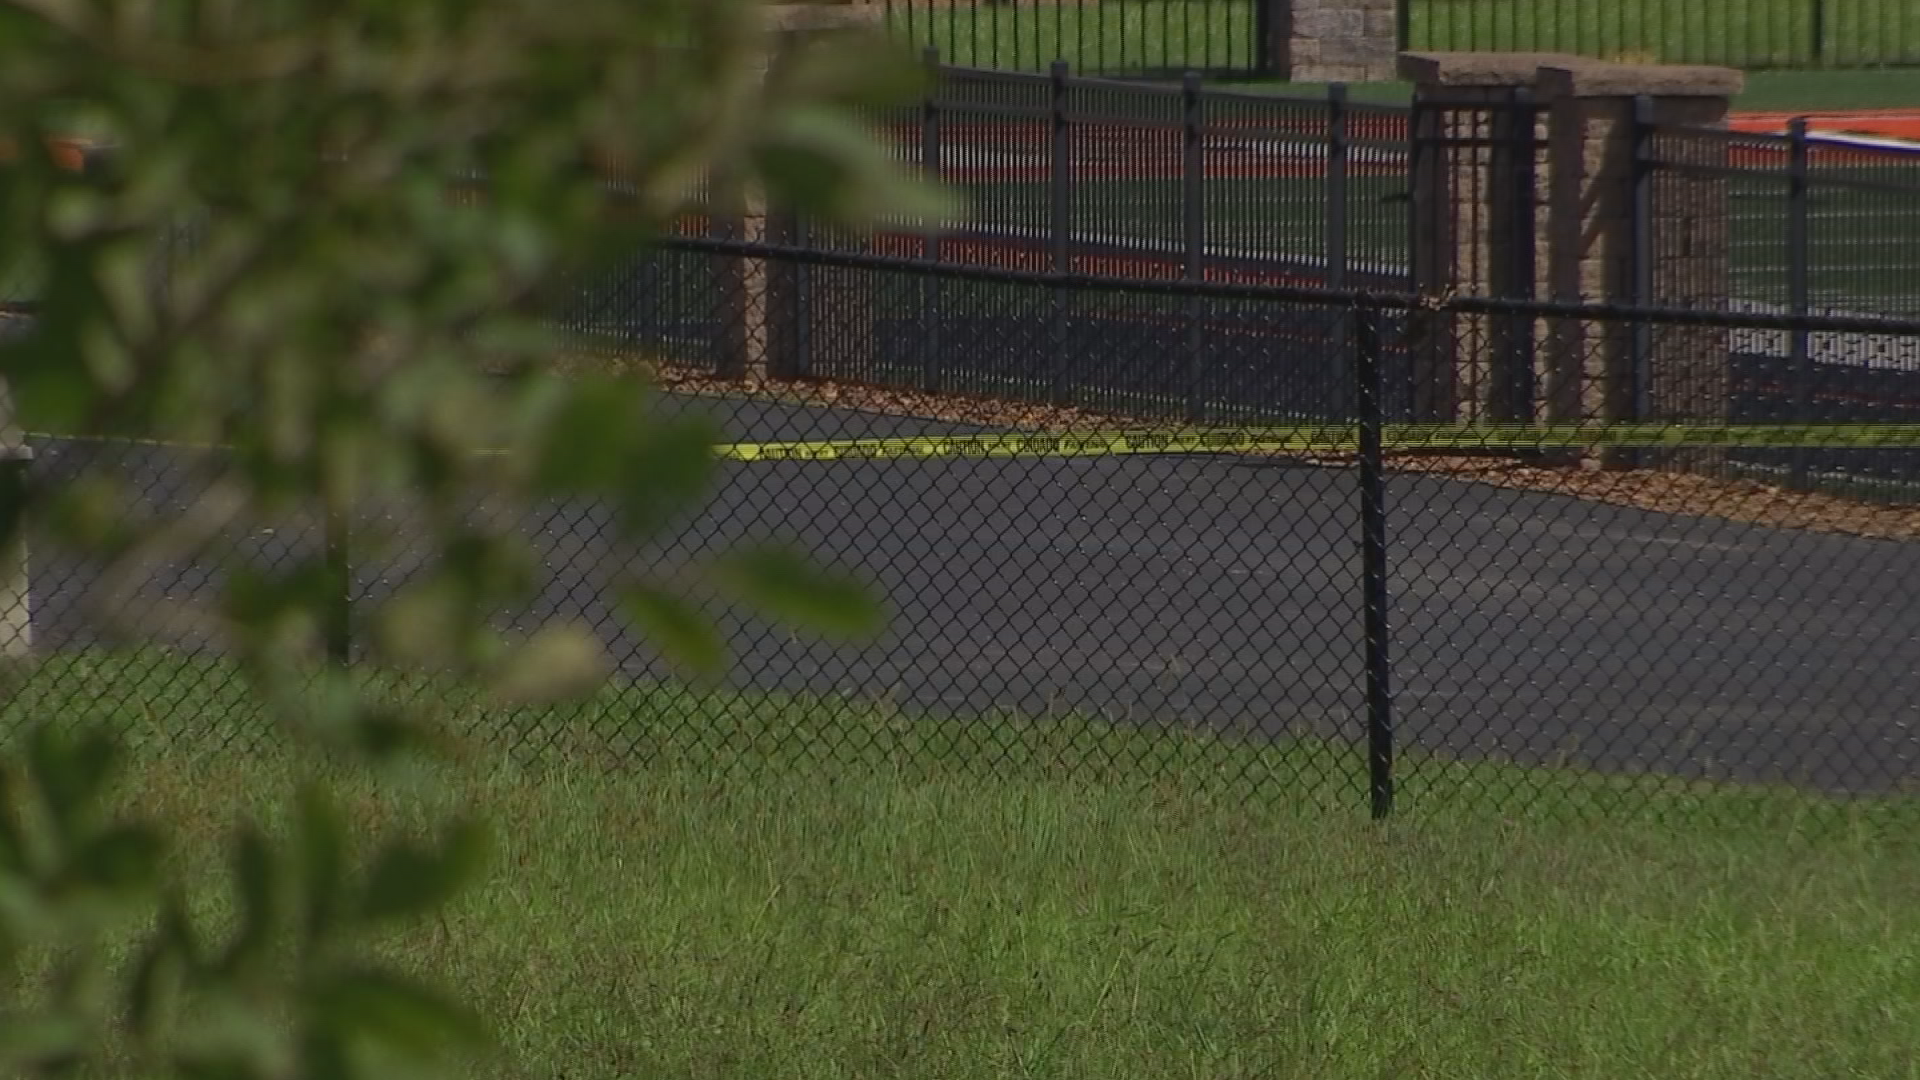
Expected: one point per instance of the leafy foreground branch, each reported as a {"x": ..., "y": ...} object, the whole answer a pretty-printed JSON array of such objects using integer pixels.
[
  {"x": 285, "y": 990},
  {"x": 324, "y": 236}
]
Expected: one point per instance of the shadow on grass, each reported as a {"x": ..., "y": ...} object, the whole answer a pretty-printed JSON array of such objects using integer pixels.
[{"x": 197, "y": 709}]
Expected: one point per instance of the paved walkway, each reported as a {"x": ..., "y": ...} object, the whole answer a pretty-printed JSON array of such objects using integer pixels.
[{"x": 1224, "y": 593}]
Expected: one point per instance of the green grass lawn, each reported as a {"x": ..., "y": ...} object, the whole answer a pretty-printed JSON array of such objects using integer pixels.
[
  {"x": 1148, "y": 35},
  {"x": 1741, "y": 33},
  {"x": 904, "y": 904},
  {"x": 1811, "y": 91},
  {"x": 1108, "y": 36},
  {"x": 1772, "y": 39}
]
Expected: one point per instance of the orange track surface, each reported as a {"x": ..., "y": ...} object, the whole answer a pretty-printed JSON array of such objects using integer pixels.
[{"x": 1883, "y": 123}]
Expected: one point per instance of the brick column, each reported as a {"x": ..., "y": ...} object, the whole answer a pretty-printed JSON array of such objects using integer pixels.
[
  {"x": 757, "y": 293},
  {"x": 1593, "y": 370},
  {"x": 1332, "y": 40},
  {"x": 1467, "y": 226}
]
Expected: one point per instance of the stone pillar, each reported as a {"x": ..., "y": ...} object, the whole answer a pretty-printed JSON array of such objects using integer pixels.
[
  {"x": 1332, "y": 40},
  {"x": 1594, "y": 370},
  {"x": 1477, "y": 172},
  {"x": 756, "y": 302},
  {"x": 16, "y": 620},
  {"x": 1468, "y": 227}
]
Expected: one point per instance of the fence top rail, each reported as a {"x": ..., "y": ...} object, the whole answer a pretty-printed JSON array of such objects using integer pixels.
[
  {"x": 994, "y": 75},
  {"x": 1826, "y": 176},
  {"x": 1413, "y": 304},
  {"x": 1170, "y": 90},
  {"x": 1221, "y": 255},
  {"x": 1863, "y": 145},
  {"x": 1124, "y": 86},
  {"x": 1362, "y": 130}
]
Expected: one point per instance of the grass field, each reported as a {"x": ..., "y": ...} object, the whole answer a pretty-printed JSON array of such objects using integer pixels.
[
  {"x": 1109, "y": 36},
  {"x": 999, "y": 907},
  {"x": 1133, "y": 35},
  {"x": 1861, "y": 241},
  {"x": 1739, "y": 33}
]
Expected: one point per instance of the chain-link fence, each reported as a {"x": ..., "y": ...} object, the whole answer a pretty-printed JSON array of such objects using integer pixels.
[{"x": 1312, "y": 593}]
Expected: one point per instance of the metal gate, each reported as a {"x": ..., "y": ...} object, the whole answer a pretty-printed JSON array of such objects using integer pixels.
[{"x": 1478, "y": 173}]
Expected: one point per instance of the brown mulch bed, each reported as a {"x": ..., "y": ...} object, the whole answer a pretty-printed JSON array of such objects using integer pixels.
[
  {"x": 952, "y": 409},
  {"x": 1689, "y": 493},
  {"x": 1647, "y": 489}
]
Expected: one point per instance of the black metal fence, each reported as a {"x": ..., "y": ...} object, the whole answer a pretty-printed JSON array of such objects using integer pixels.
[
  {"x": 1818, "y": 222},
  {"x": 1159, "y": 181},
  {"x": 1073, "y": 175},
  {"x": 1815, "y": 225},
  {"x": 1192, "y": 180},
  {"x": 1752, "y": 34},
  {"x": 1457, "y": 618}
]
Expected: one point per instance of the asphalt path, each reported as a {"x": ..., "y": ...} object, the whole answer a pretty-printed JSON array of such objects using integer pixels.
[{"x": 1223, "y": 593}]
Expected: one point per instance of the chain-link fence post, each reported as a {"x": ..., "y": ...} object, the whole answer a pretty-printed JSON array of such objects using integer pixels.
[
  {"x": 337, "y": 620},
  {"x": 1193, "y": 229},
  {"x": 1370, "y": 396}
]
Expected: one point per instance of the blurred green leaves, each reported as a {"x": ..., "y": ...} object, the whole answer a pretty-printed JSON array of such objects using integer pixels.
[
  {"x": 284, "y": 990},
  {"x": 323, "y": 236},
  {"x": 673, "y": 623},
  {"x": 783, "y": 584}
]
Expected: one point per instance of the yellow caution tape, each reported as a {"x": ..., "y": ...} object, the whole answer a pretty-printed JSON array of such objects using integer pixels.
[
  {"x": 1302, "y": 439},
  {"x": 1395, "y": 438}
]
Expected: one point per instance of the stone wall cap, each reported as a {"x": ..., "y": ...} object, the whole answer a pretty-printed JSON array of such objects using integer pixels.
[
  {"x": 1594, "y": 79},
  {"x": 791, "y": 18},
  {"x": 1481, "y": 68}
]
